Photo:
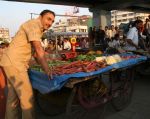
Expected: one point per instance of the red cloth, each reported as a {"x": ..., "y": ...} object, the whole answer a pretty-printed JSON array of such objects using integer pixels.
[{"x": 2, "y": 95}]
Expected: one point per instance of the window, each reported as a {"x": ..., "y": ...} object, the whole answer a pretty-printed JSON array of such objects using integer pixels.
[
  {"x": 130, "y": 19},
  {"x": 124, "y": 15},
  {"x": 131, "y": 14},
  {"x": 124, "y": 20}
]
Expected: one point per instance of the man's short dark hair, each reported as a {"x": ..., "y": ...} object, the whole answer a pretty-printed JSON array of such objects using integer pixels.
[
  {"x": 47, "y": 11},
  {"x": 137, "y": 22}
]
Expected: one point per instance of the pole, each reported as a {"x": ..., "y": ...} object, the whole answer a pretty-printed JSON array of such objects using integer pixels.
[
  {"x": 31, "y": 15},
  {"x": 56, "y": 15}
]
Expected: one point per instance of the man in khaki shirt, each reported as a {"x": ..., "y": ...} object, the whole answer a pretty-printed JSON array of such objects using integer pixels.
[{"x": 15, "y": 64}]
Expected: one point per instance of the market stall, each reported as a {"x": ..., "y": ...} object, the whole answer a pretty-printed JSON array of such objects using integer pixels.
[{"x": 87, "y": 87}]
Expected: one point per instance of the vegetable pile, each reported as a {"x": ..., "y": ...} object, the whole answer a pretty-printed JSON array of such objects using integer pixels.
[
  {"x": 78, "y": 66},
  {"x": 87, "y": 57},
  {"x": 92, "y": 61},
  {"x": 51, "y": 63}
]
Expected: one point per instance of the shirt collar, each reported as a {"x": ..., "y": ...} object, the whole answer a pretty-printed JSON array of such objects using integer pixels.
[
  {"x": 40, "y": 24},
  {"x": 136, "y": 29}
]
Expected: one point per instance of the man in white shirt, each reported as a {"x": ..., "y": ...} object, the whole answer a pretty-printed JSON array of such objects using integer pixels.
[
  {"x": 44, "y": 43},
  {"x": 148, "y": 25},
  {"x": 133, "y": 36},
  {"x": 112, "y": 31},
  {"x": 67, "y": 44}
]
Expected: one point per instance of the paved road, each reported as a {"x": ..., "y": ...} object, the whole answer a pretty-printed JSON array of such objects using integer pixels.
[{"x": 139, "y": 107}]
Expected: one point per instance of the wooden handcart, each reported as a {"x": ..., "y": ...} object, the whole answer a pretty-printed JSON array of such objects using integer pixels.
[{"x": 79, "y": 96}]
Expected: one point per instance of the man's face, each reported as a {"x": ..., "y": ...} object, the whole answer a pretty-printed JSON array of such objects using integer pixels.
[
  {"x": 139, "y": 25},
  {"x": 65, "y": 40},
  {"x": 47, "y": 20}
]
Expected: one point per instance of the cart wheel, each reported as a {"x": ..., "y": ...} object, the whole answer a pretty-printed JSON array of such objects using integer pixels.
[
  {"x": 54, "y": 103},
  {"x": 75, "y": 110},
  {"x": 122, "y": 88},
  {"x": 144, "y": 69},
  {"x": 73, "y": 107},
  {"x": 70, "y": 101},
  {"x": 92, "y": 94}
]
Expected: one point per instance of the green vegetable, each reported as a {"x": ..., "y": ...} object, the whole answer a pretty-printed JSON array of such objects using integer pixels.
[
  {"x": 85, "y": 57},
  {"x": 57, "y": 63}
]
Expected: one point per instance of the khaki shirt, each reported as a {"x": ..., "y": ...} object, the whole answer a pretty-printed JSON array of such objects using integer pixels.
[{"x": 19, "y": 51}]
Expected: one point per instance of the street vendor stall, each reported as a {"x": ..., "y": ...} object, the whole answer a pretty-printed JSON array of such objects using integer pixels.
[{"x": 87, "y": 88}]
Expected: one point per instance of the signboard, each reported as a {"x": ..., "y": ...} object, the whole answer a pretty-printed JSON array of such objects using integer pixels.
[{"x": 73, "y": 40}]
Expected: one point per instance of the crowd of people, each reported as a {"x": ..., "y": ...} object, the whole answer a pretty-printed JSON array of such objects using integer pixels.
[
  {"x": 137, "y": 36},
  {"x": 64, "y": 44}
]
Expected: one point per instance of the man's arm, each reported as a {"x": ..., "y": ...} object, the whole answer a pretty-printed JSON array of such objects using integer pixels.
[
  {"x": 40, "y": 56},
  {"x": 129, "y": 41},
  {"x": 69, "y": 45},
  {"x": 130, "y": 35}
]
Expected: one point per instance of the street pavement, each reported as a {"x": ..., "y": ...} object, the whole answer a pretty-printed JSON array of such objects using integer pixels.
[{"x": 139, "y": 108}]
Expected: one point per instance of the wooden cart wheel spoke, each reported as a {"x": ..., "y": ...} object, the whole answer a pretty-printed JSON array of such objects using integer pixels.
[
  {"x": 95, "y": 96},
  {"x": 125, "y": 90},
  {"x": 90, "y": 103},
  {"x": 73, "y": 109}
]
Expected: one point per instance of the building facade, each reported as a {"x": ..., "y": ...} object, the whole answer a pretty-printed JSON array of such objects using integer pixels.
[
  {"x": 118, "y": 17},
  {"x": 74, "y": 24},
  {"x": 4, "y": 34},
  {"x": 80, "y": 24}
]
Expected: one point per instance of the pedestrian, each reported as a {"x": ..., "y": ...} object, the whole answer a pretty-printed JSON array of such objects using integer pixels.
[
  {"x": 148, "y": 31},
  {"x": 67, "y": 44},
  {"x": 2, "y": 94},
  {"x": 20, "y": 99},
  {"x": 3, "y": 47},
  {"x": 133, "y": 36},
  {"x": 60, "y": 45}
]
